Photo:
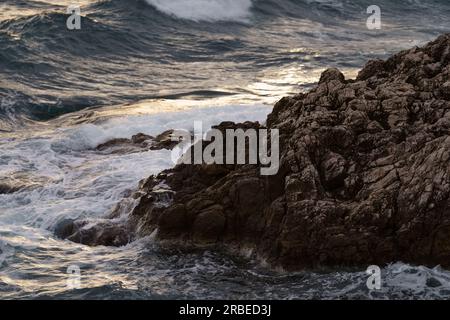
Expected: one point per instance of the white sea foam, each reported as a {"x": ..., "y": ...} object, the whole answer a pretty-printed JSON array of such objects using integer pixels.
[{"x": 205, "y": 10}]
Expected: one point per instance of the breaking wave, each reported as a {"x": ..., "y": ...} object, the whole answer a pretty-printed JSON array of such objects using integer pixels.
[{"x": 205, "y": 10}]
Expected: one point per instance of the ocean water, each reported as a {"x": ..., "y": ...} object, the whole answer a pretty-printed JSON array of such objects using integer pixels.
[{"x": 151, "y": 65}]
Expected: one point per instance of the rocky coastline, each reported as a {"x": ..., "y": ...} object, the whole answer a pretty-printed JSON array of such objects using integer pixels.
[{"x": 364, "y": 177}]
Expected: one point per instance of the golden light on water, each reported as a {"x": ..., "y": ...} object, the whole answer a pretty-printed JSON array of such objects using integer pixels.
[
  {"x": 8, "y": 11},
  {"x": 280, "y": 82}
]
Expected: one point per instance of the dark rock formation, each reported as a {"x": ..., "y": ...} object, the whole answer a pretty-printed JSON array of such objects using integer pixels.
[
  {"x": 94, "y": 233},
  {"x": 138, "y": 143},
  {"x": 364, "y": 175},
  {"x": 6, "y": 188},
  {"x": 16, "y": 183}
]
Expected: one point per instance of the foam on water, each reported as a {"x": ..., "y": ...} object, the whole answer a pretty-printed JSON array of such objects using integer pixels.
[{"x": 205, "y": 10}]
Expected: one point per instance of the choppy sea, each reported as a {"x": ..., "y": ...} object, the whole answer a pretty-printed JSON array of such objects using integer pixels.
[{"x": 151, "y": 65}]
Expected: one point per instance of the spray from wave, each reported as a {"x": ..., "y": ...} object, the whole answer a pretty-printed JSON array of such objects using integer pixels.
[{"x": 205, "y": 10}]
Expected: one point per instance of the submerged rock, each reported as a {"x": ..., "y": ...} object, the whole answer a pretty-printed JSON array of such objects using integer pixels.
[
  {"x": 94, "y": 233},
  {"x": 138, "y": 143},
  {"x": 164, "y": 141},
  {"x": 16, "y": 183}
]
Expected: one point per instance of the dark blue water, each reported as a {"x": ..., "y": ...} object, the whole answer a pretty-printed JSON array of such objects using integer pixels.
[
  {"x": 128, "y": 50},
  {"x": 150, "y": 65}
]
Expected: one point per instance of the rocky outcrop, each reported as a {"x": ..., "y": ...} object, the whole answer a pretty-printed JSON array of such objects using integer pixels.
[
  {"x": 138, "y": 143},
  {"x": 364, "y": 175},
  {"x": 105, "y": 232},
  {"x": 7, "y": 188},
  {"x": 16, "y": 183}
]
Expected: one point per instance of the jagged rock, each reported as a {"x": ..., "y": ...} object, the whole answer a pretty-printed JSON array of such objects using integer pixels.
[
  {"x": 138, "y": 143},
  {"x": 433, "y": 283},
  {"x": 364, "y": 175},
  {"x": 332, "y": 74},
  {"x": 371, "y": 69},
  {"x": 65, "y": 228},
  {"x": 164, "y": 141},
  {"x": 16, "y": 183},
  {"x": 6, "y": 188},
  {"x": 141, "y": 138},
  {"x": 114, "y": 143},
  {"x": 94, "y": 233},
  {"x": 445, "y": 90}
]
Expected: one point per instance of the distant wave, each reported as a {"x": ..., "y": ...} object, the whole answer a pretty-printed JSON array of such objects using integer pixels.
[
  {"x": 132, "y": 50},
  {"x": 205, "y": 10}
]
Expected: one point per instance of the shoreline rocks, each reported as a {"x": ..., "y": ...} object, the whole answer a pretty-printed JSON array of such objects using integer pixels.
[{"x": 138, "y": 143}]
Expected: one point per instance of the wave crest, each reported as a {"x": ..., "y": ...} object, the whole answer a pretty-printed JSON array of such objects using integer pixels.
[{"x": 205, "y": 10}]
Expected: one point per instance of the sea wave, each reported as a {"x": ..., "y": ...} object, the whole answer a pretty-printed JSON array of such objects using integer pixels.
[
  {"x": 132, "y": 50},
  {"x": 221, "y": 57},
  {"x": 205, "y": 10}
]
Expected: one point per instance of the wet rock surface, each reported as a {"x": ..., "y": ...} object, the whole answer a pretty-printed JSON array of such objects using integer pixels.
[
  {"x": 364, "y": 175},
  {"x": 6, "y": 188},
  {"x": 15, "y": 183},
  {"x": 138, "y": 143},
  {"x": 94, "y": 233}
]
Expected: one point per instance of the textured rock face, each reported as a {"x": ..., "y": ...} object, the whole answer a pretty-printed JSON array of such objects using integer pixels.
[
  {"x": 138, "y": 143},
  {"x": 364, "y": 177},
  {"x": 106, "y": 233}
]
